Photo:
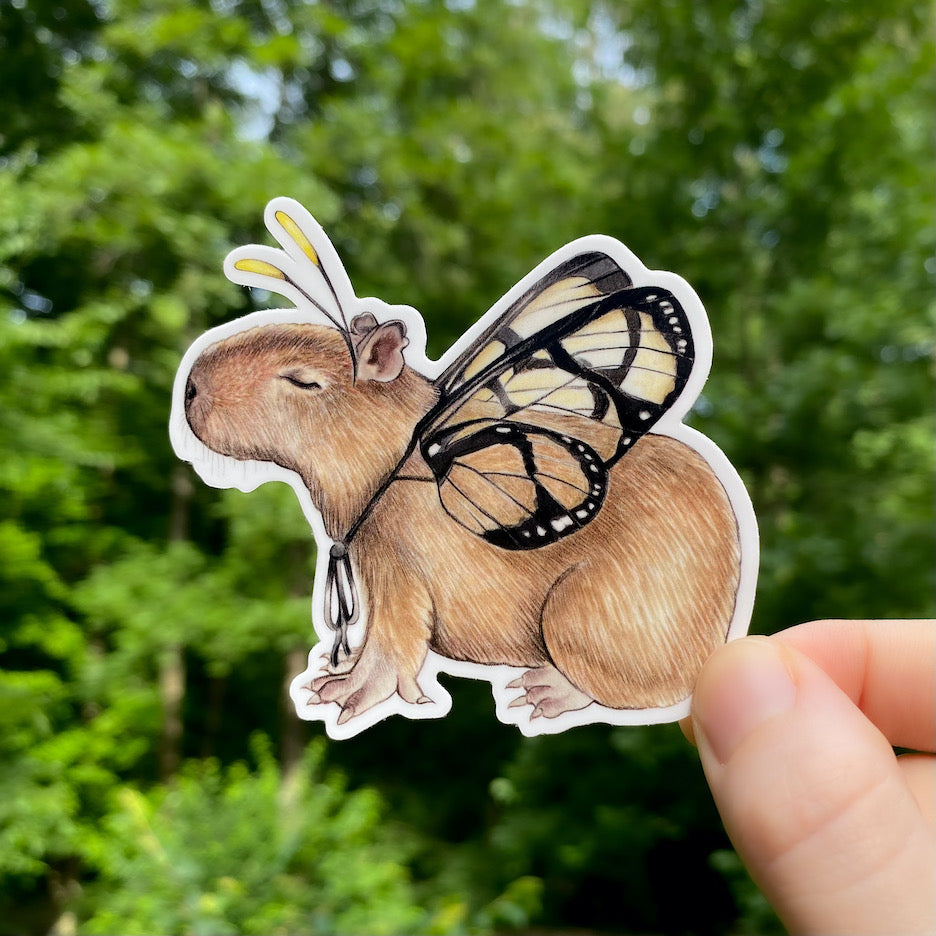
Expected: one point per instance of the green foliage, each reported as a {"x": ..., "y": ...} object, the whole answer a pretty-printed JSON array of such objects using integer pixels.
[
  {"x": 777, "y": 154},
  {"x": 630, "y": 824},
  {"x": 754, "y": 913},
  {"x": 234, "y": 850}
]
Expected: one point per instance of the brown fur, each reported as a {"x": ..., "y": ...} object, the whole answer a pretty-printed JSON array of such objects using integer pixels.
[{"x": 627, "y": 609}]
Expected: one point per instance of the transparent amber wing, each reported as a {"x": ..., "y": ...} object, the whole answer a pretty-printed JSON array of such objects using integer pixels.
[{"x": 532, "y": 415}]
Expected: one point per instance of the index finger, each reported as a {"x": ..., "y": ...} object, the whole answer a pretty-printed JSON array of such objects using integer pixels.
[{"x": 887, "y": 668}]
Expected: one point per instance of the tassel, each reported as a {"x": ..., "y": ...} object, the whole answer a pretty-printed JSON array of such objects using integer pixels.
[{"x": 342, "y": 607}]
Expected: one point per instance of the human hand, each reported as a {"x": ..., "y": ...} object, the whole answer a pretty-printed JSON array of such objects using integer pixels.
[{"x": 795, "y": 735}]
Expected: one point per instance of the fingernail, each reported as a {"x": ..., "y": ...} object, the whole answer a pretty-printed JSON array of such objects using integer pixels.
[{"x": 747, "y": 684}]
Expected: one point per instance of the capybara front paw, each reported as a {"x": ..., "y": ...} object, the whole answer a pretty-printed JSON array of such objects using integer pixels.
[
  {"x": 548, "y": 691},
  {"x": 361, "y": 686}
]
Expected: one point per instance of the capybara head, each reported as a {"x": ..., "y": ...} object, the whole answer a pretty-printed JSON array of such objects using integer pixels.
[{"x": 277, "y": 392}]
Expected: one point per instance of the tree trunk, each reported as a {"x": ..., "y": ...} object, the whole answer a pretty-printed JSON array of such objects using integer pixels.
[
  {"x": 172, "y": 696},
  {"x": 172, "y": 661},
  {"x": 294, "y": 731},
  {"x": 214, "y": 716}
]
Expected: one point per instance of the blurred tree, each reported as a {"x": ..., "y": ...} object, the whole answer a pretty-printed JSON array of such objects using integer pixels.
[
  {"x": 789, "y": 150},
  {"x": 240, "y": 851},
  {"x": 38, "y": 40},
  {"x": 778, "y": 155},
  {"x": 146, "y": 140},
  {"x": 112, "y": 229}
]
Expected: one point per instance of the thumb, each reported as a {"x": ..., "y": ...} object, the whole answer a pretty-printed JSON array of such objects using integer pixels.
[{"x": 812, "y": 795}]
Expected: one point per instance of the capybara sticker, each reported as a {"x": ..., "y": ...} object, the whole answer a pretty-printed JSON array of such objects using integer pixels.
[{"x": 530, "y": 509}]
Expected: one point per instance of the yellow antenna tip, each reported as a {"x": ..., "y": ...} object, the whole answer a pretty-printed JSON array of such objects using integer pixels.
[
  {"x": 261, "y": 267},
  {"x": 297, "y": 234}
]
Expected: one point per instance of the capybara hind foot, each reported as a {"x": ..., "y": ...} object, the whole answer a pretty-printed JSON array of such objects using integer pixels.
[
  {"x": 548, "y": 691},
  {"x": 370, "y": 681}
]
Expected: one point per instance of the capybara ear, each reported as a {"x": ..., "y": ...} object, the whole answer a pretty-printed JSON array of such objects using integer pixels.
[
  {"x": 363, "y": 324},
  {"x": 380, "y": 353}
]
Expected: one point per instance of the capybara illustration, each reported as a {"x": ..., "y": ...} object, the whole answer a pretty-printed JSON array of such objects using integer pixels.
[
  {"x": 530, "y": 509},
  {"x": 624, "y": 612}
]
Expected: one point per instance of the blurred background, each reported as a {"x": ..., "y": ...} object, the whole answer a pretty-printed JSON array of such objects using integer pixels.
[{"x": 776, "y": 153}]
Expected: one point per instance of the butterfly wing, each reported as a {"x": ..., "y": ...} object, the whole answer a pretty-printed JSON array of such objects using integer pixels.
[{"x": 532, "y": 415}]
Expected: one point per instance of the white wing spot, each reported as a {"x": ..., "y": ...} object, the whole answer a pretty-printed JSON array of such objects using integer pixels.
[
  {"x": 581, "y": 514},
  {"x": 541, "y": 531},
  {"x": 560, "y": 523},
  {"x": 434, "y": 448},
  {"x": 644, "y": 414},
  {"x": 504, "y": 430}
]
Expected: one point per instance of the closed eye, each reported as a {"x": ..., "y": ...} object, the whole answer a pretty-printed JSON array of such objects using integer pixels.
[{"x": 302, "y": 384}]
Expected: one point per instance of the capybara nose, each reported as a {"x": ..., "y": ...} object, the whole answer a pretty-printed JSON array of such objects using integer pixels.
[{"x": 191, "y": 391}]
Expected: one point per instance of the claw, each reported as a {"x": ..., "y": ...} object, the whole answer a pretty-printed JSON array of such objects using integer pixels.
[
  {"x": 423, "y": 699},
  {"x": 333, "y": 691},
  {"x": 346, "y": 715},
  {"x": 516, "y": 683},
  {"x": 314, "y": 697},
  {"x": 549, "y": 692},
  {"x": 318, "y": 684}
]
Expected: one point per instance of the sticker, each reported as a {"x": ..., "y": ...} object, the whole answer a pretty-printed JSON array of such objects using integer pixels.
[{"x": 529, "y": 510}]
